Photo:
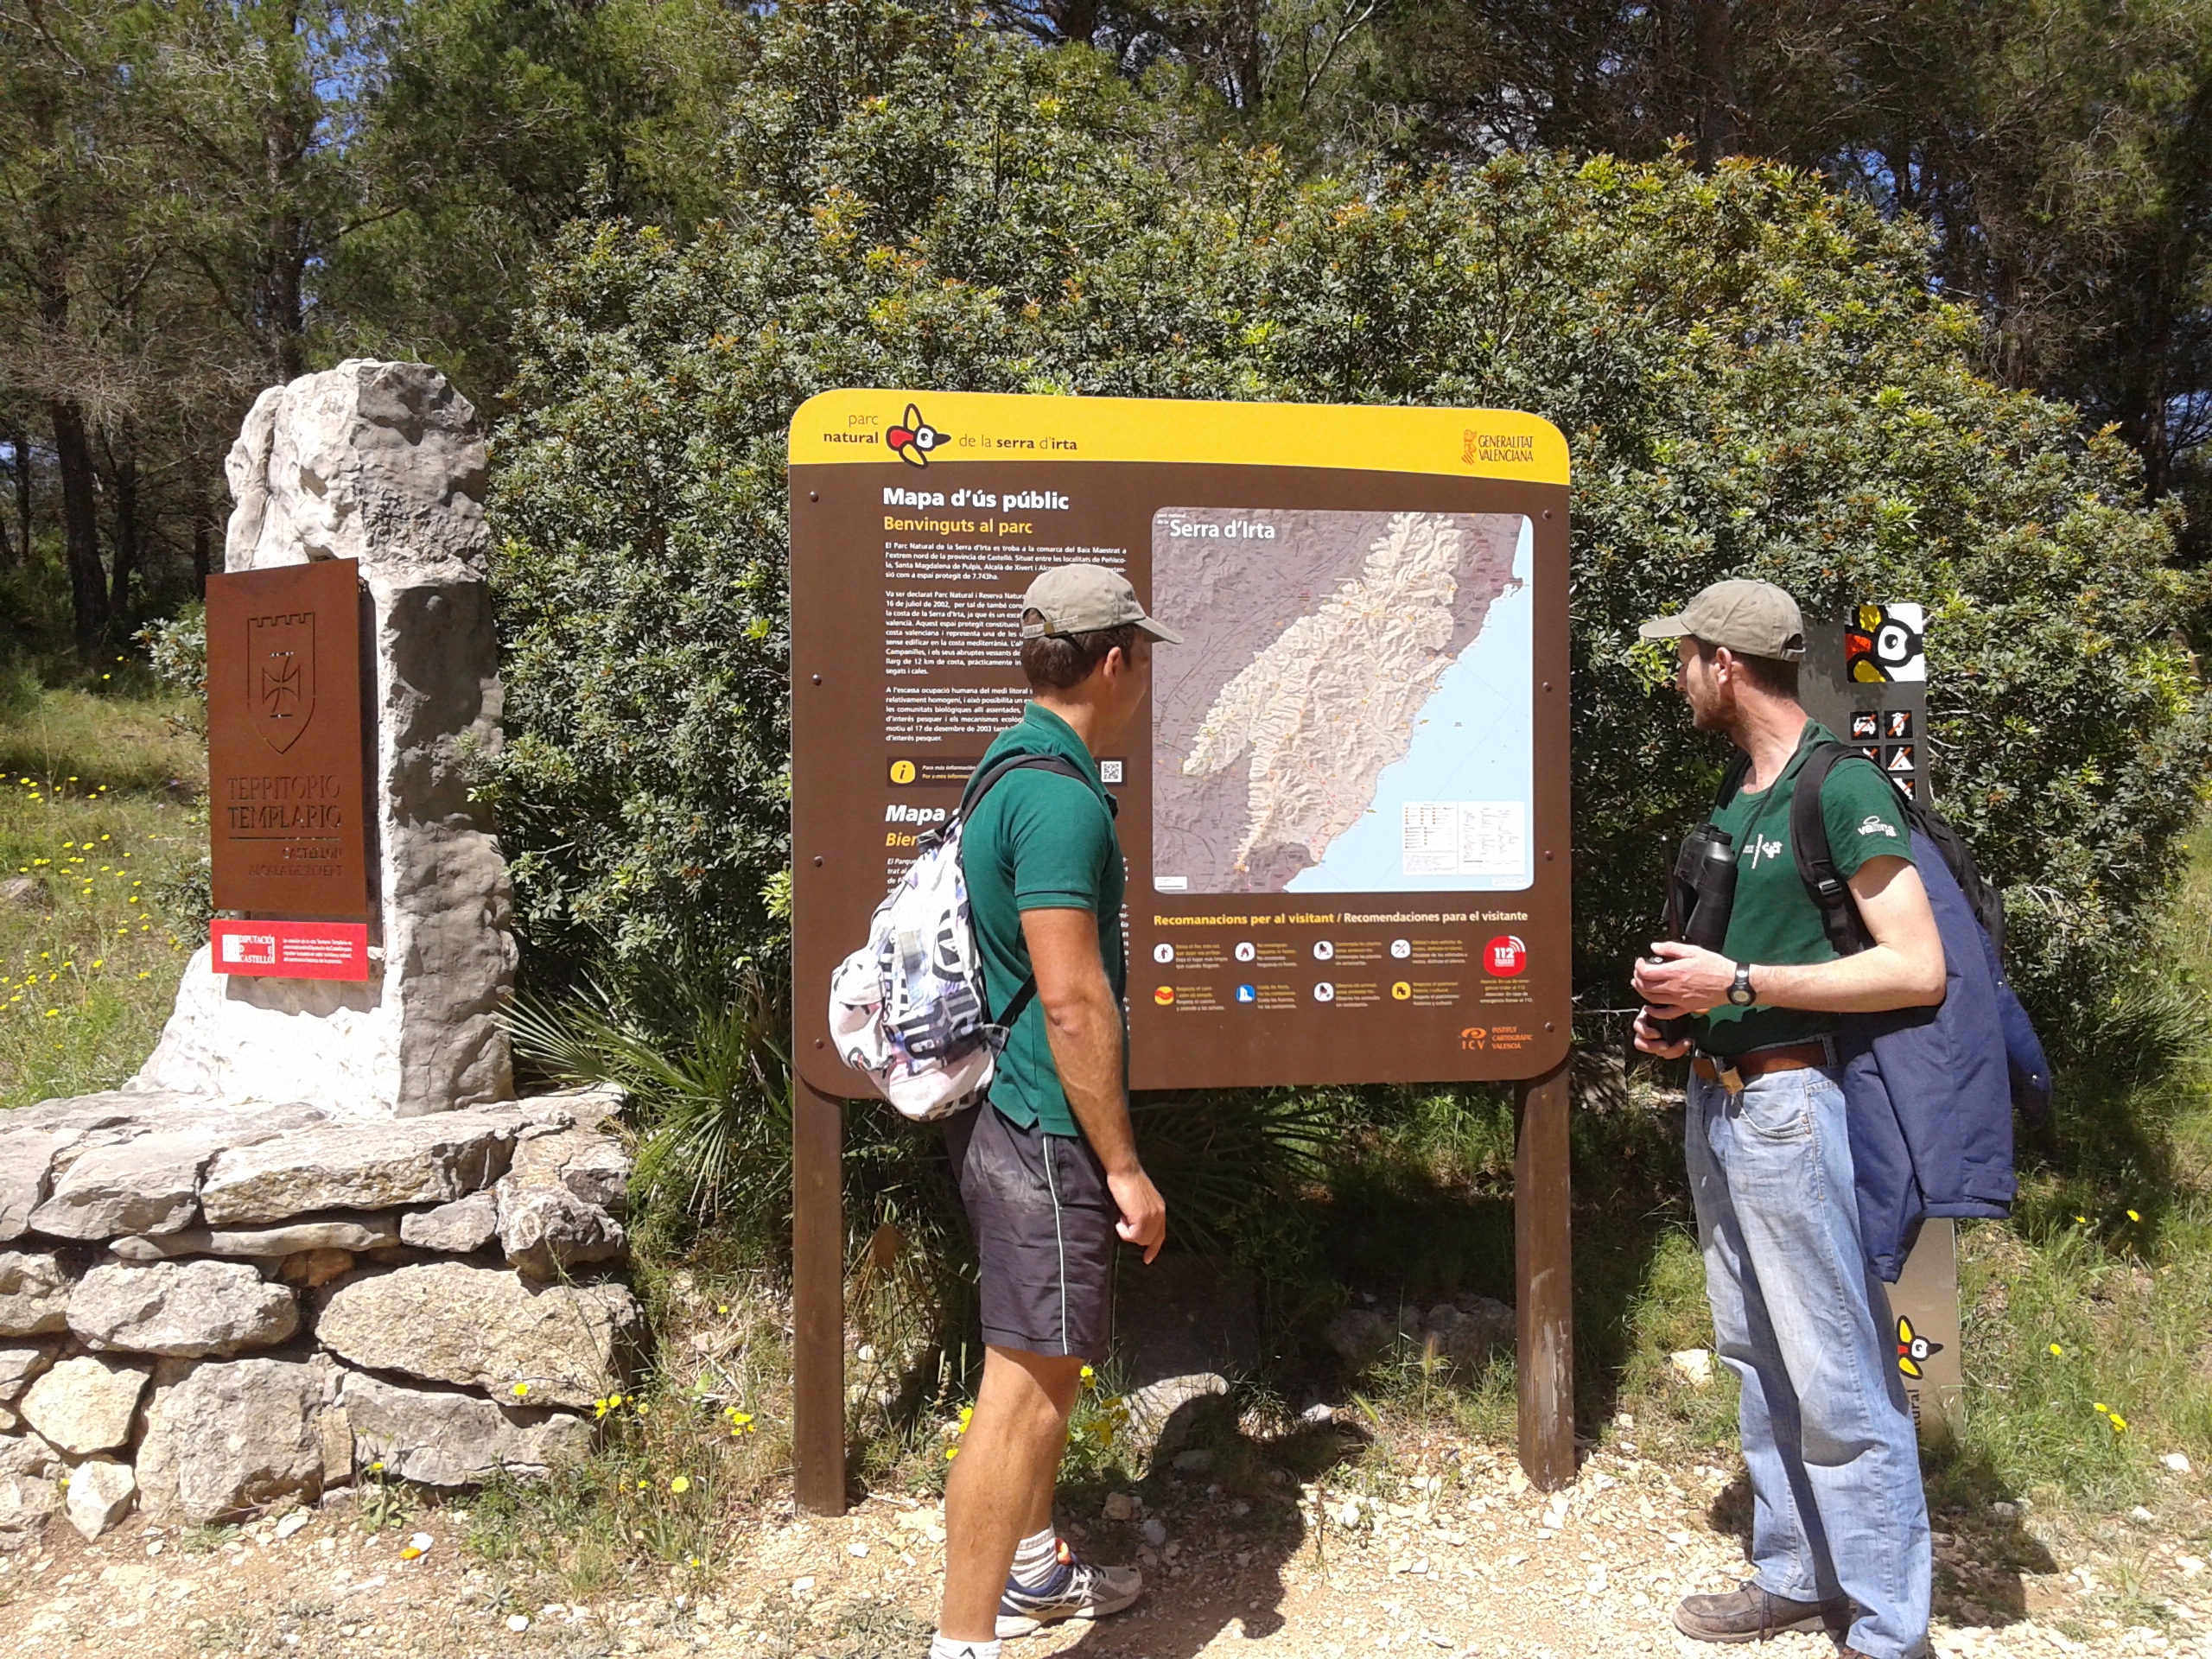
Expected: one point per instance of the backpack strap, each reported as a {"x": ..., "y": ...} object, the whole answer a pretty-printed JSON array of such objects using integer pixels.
[
  {"x": 1808, "y": 841},
  {"x": 1731, "y": 778},
  {"x": 972, "y": 797},
  {"x": 987, "y": 778}
]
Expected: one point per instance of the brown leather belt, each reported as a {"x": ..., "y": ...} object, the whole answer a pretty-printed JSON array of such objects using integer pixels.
[{"x": 1749, "y": 1068}]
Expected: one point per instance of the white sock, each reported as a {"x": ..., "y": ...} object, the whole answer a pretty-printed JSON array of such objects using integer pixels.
[
  {"x": 1035, "y": 1557},
  {"x": 943, "y": 1647}
]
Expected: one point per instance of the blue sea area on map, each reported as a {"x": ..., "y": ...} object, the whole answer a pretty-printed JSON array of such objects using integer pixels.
[{"x": 1472, "y": 742}]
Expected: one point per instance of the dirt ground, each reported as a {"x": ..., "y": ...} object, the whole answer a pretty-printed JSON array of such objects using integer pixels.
[{"x": 1456, "y": 1557}]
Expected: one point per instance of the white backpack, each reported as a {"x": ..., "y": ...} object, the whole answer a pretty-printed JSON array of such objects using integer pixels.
[{"x": 908, "y": 1008}]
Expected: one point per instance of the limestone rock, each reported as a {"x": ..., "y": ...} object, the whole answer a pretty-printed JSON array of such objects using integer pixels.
[
  {"x": 27, "y": 1454},
  {"x": 25, "y": 892},
  {"x": 340, "y": 1232},
  {"x": 1163, "y": 1414},
  {"x": 1468, "y": 1330},
  {"x": 85, "y": 1405},
  {"x": 461, "y": 1228},
  {"x": 226, "y": 1436},
  {"x": 150, "y": 1184},
  {"x": 100, "y": 1490},
  {"x": 358, "y": 1167},
  {"x": 34, "y": 1294},
  {"x": 26, "y": 1501},
  {"x": 1357, "y": 1334},
  {"x": 483, "y": 1328},
  {"x": 185, "y": 1310},
  {"x": 19, "y": 1364},
  {"x": 546, "y": 1230},
  {"x": 26, "y": 1167},
  {"x": 384, "y": 462},
  {"x": 455, "y": 1440},
  {"x": 594, "y": 1166}
]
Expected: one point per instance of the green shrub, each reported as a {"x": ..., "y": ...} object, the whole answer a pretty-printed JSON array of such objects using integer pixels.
[{"x": 1755, "y": 376}]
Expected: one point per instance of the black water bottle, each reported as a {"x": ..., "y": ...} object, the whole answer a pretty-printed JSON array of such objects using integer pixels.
[{"x": 1700, "y": 896}]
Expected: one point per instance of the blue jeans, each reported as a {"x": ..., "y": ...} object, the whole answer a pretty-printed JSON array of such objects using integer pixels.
[{"x": 1800, "y": 1318}]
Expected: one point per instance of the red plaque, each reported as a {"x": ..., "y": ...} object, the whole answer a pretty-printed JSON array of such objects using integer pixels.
[
  {"x": 292, "y": 950},
  {"x": 287, "y": 817}
]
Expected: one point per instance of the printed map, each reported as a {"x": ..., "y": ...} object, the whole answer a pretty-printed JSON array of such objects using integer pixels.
[{"x": 1317, "y": 645}]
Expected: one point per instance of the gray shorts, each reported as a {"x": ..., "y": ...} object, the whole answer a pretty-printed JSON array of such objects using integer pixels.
[{"x": 1043, "y": 1227}]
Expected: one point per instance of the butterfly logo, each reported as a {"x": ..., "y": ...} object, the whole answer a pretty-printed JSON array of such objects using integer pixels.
[
  {"x": 914, "y": 438},
  {"x": 1914, "y": 1350}
]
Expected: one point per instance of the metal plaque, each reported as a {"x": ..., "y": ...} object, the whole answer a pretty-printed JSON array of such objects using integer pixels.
[
  {"x": 1344, "y": 810},
  {"x": 287, "y": 819}
]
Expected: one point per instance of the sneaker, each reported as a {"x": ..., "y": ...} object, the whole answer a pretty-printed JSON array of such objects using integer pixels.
[
  {"x": 1076, "y": 1590},
  {"x": 1752, "y": 1614}
]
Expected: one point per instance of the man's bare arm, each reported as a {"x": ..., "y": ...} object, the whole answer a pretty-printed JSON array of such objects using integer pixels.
[
  {"x": 1083, "y": 1025},
  {"x": 1903, "y": 969}
]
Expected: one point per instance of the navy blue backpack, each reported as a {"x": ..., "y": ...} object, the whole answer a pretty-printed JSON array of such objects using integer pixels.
[{"x": 1929, "y": 1092}]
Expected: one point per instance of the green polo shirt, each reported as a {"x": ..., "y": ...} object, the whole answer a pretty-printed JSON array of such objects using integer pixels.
[
  {"x": 1039, "y": 841},
  {"x": 1774, "y": 919}
]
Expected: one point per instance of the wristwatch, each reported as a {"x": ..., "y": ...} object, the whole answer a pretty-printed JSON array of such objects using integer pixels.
[{"x": 1739, "y": 993}]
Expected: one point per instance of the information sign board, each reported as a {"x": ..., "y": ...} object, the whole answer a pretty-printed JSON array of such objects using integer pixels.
[
  {"x": 1345, "y": 810},
  {"x": 287, "y": 821}
]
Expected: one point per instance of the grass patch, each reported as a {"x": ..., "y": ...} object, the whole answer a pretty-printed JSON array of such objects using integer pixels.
[{"x": 102, "y": 809}]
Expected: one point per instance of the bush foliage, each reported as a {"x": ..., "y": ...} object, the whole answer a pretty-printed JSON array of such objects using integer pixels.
[{"x": 1757, "y": 377}]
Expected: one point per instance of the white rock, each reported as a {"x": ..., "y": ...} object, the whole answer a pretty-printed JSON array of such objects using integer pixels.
[
  {"x": 100, "y": 1492},
  {"x": 591, "y": 1164},
  {"x": 1693, "y": 1365},
  {"x": 1120, "y": 1506},
  {"x": 25, "y": 1501},
  {"x": 225, "y": 1436},
  {"x": 34, "y": 1294},
  {"x": 2177, "y": 1461},
  {"x": 148, "y": 1184},
  {"x": 545, "y": 1229},
  {"x": 358, "y": 1167},
  {"x": 266, "y": 1243},
  {"x": 484, "y": 1328},
  {"x": 455, "y": 1440},
  {"x": 461, "y": 1228},
  {"x": 19, "y": 1364},
  {"x": 1153, "y": 1532},
  {"x": 383, "y": 463},
  {"x": 186, "y": 1310},
  {"x": 1157, "y": 1417},
  {"x": 295, "y": 1522},
  {"x": 85, "y": 1405}
]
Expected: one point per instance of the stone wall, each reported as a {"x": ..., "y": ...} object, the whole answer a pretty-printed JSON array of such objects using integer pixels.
[{"x": 209, "y": 1306}]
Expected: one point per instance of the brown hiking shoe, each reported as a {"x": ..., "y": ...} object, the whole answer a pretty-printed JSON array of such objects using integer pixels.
[{"x": 1752, "y": 1614}]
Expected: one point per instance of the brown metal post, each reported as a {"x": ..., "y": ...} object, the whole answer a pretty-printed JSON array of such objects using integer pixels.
[
  {"x": 817, "y": 1300},
  {"x": 1544, "y": 1303}
]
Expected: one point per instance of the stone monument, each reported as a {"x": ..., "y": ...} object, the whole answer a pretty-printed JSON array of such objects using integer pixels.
[
  {"x": 316, "y": 1232},
  {"x": 382, "y": 463}
]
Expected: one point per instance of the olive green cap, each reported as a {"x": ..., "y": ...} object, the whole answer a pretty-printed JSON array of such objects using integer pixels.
[
  {"x": 1082, "y": 599},
  {"x": 1752, "y": 619}
]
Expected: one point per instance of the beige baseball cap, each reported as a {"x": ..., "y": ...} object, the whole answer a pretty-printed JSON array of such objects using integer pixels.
[
  {"x": 1082, "y": 598},
  {"x": 1752, "y": 619}
]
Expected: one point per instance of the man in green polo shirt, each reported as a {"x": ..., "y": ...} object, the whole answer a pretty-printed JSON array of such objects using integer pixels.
[
  {"x": 1047, "y": 1167},
  {"x": 1838, "y": 1523}
]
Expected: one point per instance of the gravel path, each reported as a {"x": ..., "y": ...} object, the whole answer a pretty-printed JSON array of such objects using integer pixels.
[{"x": 1455, "y": 1556}]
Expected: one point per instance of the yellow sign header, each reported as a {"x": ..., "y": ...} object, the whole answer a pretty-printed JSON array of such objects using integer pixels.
[{"x": 924, "y": 429}]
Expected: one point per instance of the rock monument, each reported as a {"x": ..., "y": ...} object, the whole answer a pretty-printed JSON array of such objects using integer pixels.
[
  {"x": 382, "y": 463},
  {"x": 316, "y": 1232}
]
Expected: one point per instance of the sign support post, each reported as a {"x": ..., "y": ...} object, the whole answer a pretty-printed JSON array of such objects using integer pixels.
[
  {"x": 817, "y": 1298},
  {"x": 1543, "y": 1272}
]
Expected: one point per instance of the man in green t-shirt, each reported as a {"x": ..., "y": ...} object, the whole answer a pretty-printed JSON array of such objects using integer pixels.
[
  {"x": 1047, "y": 1167},
  {"x": 1839, "y": 1522}
]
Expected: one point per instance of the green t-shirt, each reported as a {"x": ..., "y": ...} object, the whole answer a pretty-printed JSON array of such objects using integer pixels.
[
  {"x": 1774, "y": 919},
  {"x": 1039, "y": 841}
]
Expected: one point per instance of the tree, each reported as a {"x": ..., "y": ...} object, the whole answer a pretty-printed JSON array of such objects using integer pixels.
[{"x": 1757, "y": 376}]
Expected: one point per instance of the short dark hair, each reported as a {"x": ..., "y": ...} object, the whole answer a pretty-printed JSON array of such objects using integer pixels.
[
  {"x": 1771, "y": 674},
  {"x": 1057, "y": 662}
]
